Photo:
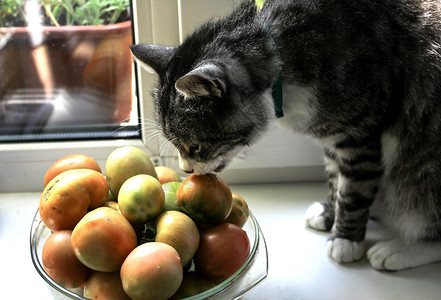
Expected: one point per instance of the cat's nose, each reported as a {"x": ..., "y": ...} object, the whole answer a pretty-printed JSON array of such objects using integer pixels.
[{"x": 185, "y": 166}]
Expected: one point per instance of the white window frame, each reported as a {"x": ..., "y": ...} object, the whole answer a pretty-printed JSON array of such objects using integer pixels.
[{"x": 279, "y": 156}]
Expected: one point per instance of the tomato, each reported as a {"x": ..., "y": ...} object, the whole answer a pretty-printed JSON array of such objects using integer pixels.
[
  {"x": 67, "y": 197},
  {"x": 205, "y": 198},
  {"x": 223, "y": 249},
  {"x": 141, "y": 199},
  {"x": 113, "y": 205},
  {"x": 192, "y": 284},
  {"x": 179, "y": 231},
  {"x": 239, "y": 213},
  {"x": 60, "y": 262},
  {"x": 70, "y": 162},
  {"x": 170, "y": 189},
  {"x": 166, "y": 174},
  {"x": 105, "y": 286},
  {"x": 102, "y": 239},
  {"x": 152, "y": 271},
  {"x": 126, "y": 162}
]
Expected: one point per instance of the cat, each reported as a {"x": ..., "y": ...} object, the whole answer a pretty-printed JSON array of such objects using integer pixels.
[{"x": 361, "y": 78}]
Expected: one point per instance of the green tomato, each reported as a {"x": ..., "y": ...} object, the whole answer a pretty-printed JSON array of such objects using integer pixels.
[
  {"x": 124, "y": 163},
  {"x": 171, "y": 203},
  {"x": 179, "y": 231},
  {"x": 141, "y": 199}
]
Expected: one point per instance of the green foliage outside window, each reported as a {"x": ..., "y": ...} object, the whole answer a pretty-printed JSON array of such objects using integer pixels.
[{"x": 65, "y": 12}]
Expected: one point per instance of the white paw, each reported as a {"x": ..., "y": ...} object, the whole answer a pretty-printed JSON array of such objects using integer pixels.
[
  {"x": 396, "y": 255},
  {"x": 345, "y": 251},
  {"x": 314, "y": 216},
  {"x": 386, "y": 255}
]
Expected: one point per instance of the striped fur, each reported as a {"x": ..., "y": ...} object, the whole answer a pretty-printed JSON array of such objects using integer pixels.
[{"x": 362, "y": 78}]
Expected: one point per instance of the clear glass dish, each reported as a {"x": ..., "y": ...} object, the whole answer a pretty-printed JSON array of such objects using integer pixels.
[{"x": 253, "y": 271}]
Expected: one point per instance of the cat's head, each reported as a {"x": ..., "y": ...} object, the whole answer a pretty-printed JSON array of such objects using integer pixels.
[{"x": 209, "y": 108}]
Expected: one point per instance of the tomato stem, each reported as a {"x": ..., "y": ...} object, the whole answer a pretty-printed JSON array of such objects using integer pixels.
[{"x": 148, "y": 234}]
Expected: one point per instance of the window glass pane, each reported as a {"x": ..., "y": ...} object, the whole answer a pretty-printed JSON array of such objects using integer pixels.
[{"x": 66, "y": 71}]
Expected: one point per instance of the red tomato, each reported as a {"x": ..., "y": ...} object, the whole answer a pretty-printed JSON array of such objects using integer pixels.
[
  {"x": 205, "y": 198},
  {"x": 68, "y": 196},
  {"x": 60, "y": 262},
  {"x": 152, "y": 271},
  {"x": 222, "y": 250},
  {"x": 105, "y": 286},
  {"x": 70, "y": 162},
  {"x": 103, "y": 239}
]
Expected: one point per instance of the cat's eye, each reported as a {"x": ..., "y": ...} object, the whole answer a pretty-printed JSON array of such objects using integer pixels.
[
  {"x": 195, "y": 148},
  {"x": 192, "y": 149}
]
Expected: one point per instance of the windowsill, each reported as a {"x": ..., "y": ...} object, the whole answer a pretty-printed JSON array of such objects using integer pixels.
[{"x": 298, "y": 265}]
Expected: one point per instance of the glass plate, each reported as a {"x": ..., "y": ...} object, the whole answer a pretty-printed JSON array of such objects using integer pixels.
[{"x": 253, "y": 271}]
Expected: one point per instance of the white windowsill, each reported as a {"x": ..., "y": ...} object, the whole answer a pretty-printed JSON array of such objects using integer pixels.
[{"x": 298, "y": 265}]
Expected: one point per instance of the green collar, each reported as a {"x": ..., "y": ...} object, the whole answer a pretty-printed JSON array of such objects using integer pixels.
[
  {"x": 278, "y": 96},
  {"x": 259, "y": 4},
  {"x": 277, "y": 86}
]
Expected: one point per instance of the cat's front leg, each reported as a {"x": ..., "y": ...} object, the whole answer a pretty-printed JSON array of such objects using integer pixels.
[
  {"x": 359, "y": 174},
  {"x": 321, "y": 215}
]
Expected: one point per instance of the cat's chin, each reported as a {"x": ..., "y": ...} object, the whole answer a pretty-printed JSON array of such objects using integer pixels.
[{"x": 200, "y": 169}]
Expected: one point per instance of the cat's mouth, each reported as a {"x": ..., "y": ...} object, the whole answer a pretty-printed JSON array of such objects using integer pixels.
[{"x": 198, "y": 168}]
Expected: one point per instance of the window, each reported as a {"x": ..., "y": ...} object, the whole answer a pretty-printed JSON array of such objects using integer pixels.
[
  {"x": 66, "y": 71},
  {"x": 27, "y": 149}
]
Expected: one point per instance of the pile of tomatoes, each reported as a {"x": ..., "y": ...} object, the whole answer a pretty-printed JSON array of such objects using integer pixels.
[{"x": 139, "y": 232}]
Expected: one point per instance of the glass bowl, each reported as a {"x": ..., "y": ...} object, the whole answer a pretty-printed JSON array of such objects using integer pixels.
[{"x": 252, "y": 272}]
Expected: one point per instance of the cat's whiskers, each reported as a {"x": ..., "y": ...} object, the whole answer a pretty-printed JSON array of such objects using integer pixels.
[
  {"x": 153, "y": 133},
  {"x": 164, "y": 152},
  {"x": 164, "y": 147}
]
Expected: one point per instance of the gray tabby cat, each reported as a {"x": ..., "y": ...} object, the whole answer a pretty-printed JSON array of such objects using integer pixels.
[{"x": 362, "y": 78}]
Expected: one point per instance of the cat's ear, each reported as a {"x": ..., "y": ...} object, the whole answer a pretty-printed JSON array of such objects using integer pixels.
[
  {"x": 204, "y": 81},
  {"x": 155, "y": 58}
]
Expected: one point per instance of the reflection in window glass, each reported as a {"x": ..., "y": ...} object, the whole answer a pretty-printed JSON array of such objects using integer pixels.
[{"x": 66, "y": 70}]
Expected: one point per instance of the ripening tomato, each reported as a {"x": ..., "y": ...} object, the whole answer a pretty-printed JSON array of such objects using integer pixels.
[
  {"x": 124, "y": 163},
  {"x": 67, "y": 197},
  {"x": 179, "y": 231},
  {"x": 192, "y": 284},
  {"x": 102, "y": 239},
  {"x": 141, "y": 199},
  {"x": 105, "y": 286},
  {"x": 205, "y": 198},
  {"x": 70, "y": 162},
  {"x": 113, "y": 205},
  {"x": 166, "y": 174},
  {"x": 239, "y": 213},
  {"x": 60, "y": 262},
  {"x": 223, "y": 249},
  {"x": 153, "y": 271}
]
